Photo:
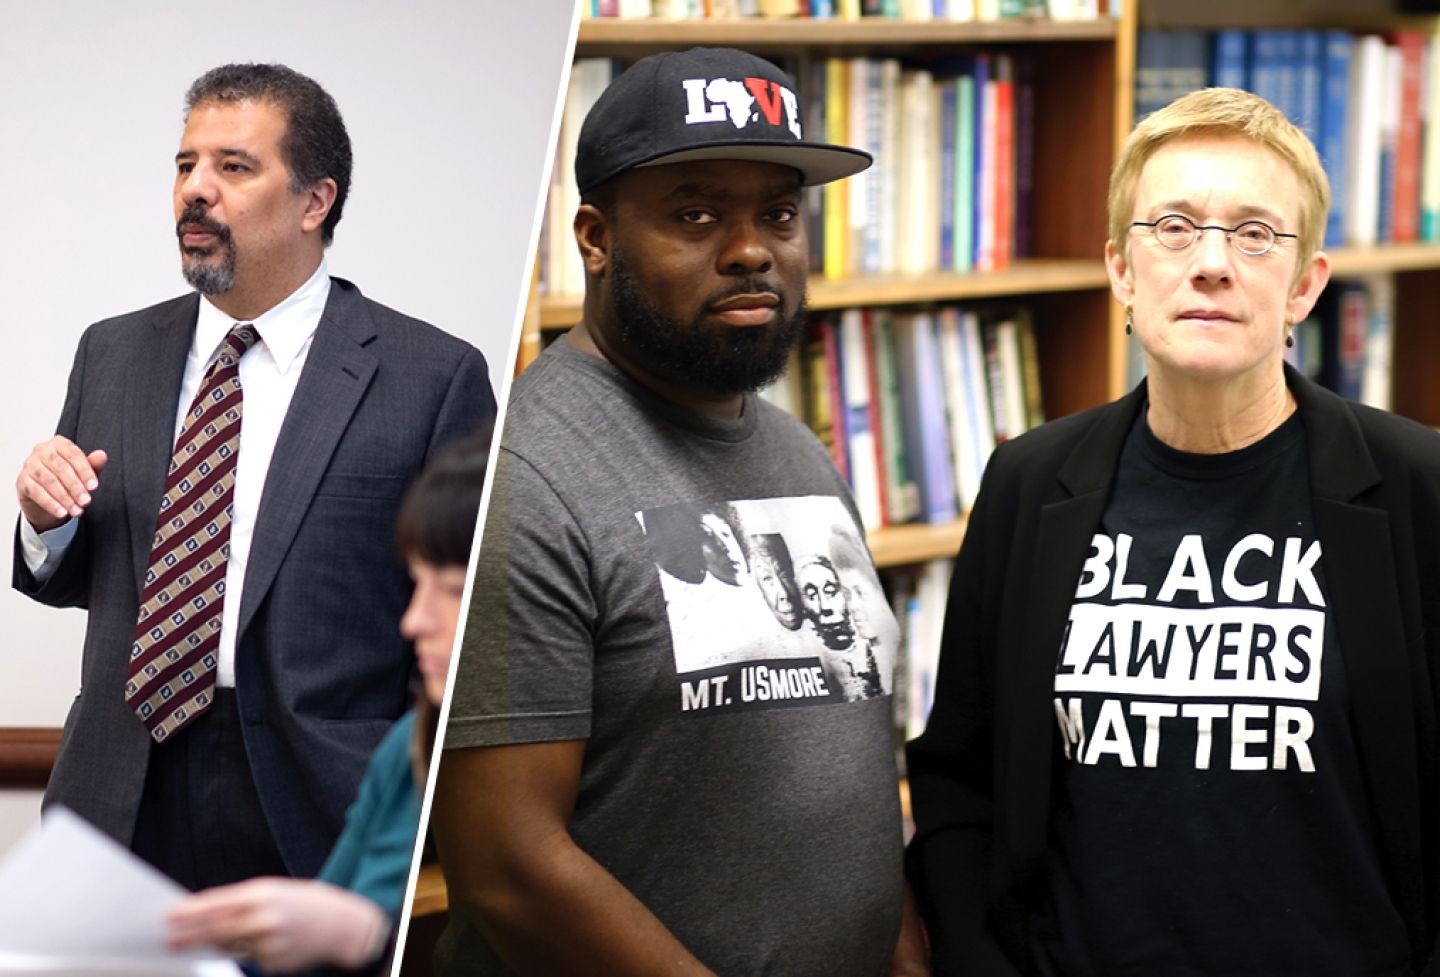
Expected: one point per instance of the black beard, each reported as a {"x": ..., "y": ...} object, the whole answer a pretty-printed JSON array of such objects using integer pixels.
[
  {"x": 719, "y": 360},
  {"x": 204, "y": 278}
]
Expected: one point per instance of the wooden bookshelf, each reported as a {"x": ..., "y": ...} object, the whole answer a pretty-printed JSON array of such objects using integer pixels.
[
  {"x": 1383, "y": 258},
  {"x": 895, "y": 546},
  {"x": 430, "y": 894},
  {"x": 1024, "y": 278},
  {"x": 616, "y": 38}
]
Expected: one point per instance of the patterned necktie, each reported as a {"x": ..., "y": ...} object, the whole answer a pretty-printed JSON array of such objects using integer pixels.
[{"x": 177, "y": 635}]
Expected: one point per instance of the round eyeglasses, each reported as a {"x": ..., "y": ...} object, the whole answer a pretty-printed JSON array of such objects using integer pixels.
[{"x": 1177, "y": 233}]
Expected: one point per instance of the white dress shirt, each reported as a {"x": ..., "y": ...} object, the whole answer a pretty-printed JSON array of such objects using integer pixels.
[{"x": 269, "y": 372}]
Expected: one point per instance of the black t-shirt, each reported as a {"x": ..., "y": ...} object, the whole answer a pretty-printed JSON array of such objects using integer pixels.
[{"x": 1210, "y": 815}]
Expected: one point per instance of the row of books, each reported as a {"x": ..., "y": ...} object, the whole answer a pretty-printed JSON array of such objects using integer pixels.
[
  {"x": 917, "y": 598},
  {"x": 1345, "y": 344},
  {"x": 1363, "y": 99},
  {"x": 950, "y": 190},
  {"x": 914, "y": 10},
  {"x": 911, "y": 404}
]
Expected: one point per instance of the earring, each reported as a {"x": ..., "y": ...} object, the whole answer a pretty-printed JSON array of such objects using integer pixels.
[
  {"x": 1289, "y": 334},
  {"x": 1129, "y": 320}
]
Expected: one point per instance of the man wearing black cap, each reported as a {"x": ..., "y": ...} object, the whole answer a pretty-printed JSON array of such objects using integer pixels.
[{"x": 648, "y": 772}]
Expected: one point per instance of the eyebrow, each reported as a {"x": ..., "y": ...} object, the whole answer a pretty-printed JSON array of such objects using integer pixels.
[
  {"x": 1244, "y": 212},
  {"x": 186, "y": 155}
]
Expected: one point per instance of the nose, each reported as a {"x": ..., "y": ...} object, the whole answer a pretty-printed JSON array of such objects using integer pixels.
[
  {"x": 1212, "y": 255},
  {"x": 197, "y": 186},
  {"x": 746, "y": 250},
  {"x": 416, "y": 619}
]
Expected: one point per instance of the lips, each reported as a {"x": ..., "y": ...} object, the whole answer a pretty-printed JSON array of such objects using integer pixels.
[
  {"x": 747, "y": 309},
  {"x": 1208, "y": 315}
]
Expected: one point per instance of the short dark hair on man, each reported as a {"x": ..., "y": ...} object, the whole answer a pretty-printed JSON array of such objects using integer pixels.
[{"x": 315, "y": 145}]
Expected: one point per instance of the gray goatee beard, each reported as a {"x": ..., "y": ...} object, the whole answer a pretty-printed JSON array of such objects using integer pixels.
[{"x": 210, "y": 279}]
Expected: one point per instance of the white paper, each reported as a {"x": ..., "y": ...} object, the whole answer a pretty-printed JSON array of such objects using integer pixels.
[{"x": 72, "y": 901}]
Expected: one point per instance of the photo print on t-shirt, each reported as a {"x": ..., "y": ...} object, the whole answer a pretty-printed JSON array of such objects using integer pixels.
[
  {"x": 772, "y": 603},
  {"x": 1214, "y": 665}
]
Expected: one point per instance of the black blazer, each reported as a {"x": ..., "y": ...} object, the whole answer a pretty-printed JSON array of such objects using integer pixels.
[
  {"x": 980, "y": 774},
  {"x": 321, "y": 669}
]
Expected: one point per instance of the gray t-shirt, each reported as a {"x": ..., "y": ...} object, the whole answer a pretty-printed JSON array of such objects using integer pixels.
[{"x": 692, "y": 597}]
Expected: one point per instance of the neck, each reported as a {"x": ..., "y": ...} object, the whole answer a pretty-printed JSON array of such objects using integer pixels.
[
  {"x": 248, "y": 303},
  {"x": 1215, "y": 417},
  {"x": 587, "y": 338}
]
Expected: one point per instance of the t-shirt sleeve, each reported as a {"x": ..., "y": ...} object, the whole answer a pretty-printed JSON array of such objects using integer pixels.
[{"x": 526, "y": 660}]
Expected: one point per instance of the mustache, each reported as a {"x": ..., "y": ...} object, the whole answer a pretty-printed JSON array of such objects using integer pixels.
[{"x": 195, "y": 215}]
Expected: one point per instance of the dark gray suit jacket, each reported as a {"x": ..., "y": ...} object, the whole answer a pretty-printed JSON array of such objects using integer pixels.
[
  {"x": 980, "y": 776},
  {"x": 321, "y": 669}
]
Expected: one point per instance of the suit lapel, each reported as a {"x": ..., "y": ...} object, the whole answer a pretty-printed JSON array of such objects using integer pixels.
[
  {"x": 151, "y": 402},
  {"x": 1364, "y": 595},
  {"x": 338, "y": 370},
  {"x": 1062, "y": 541}
]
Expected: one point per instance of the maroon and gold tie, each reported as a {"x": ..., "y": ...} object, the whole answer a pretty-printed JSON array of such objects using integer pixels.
[{"x": 177, "y": 636}]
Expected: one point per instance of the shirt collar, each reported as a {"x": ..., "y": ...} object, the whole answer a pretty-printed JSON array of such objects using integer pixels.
[{"x": 284, "y": 330}]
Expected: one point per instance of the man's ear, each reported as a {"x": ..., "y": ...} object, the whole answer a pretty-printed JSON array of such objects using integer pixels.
[
  {"x": 592, "y": 236},
  {"x": 319, "y": 198}
]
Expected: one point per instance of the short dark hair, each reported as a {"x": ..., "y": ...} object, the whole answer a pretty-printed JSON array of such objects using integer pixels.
[
  {"x": 315, "y": 144},
  {"x": 438, "y": 514}
]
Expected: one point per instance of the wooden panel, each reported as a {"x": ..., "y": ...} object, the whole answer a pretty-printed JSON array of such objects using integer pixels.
[
  {"x": 1074, "y": 134},
  {"x": 27, "y": 753},
  {"x": 1382, "y": 258},
  {"x": 1416, "y": 371},
  {"x": 895, "y": 546},
  {"x": 1072, "y": 332},
  {"x": 430, "y": 895}
]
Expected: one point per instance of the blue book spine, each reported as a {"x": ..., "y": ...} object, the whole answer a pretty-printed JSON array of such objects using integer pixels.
[
  {"x": 1152, "y": 59},
  {"x": 1265, "y": 65},
  {"x": 947, "y": 167},
  {"x": 1230, "y": 58},
  {"x": 1385, "y": 233},
  {"x": 1311, "y": 47},
  {"x": 1334, "y": 113},
  {"x": 822, "y": 9},
  {"x": 1287, "y": 73},
  {"x": 1189, "y": 62}
]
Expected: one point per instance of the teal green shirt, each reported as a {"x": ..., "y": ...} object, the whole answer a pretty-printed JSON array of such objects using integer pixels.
[{"x": 372, "y": 855}]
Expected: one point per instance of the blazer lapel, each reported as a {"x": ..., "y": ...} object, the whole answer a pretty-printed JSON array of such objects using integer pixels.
[
  {"x": 151, "y": 402},
  {"x": 1062, "y": 541},
  {"x": 1364, "y": 596},
  {"x": 338, "y": 370}
]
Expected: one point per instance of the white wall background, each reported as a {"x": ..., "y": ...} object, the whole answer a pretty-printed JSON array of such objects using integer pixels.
[{"x": 449, "y": 106}]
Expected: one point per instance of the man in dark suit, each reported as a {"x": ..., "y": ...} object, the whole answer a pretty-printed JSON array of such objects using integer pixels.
[{"x": 225, "y": 738}]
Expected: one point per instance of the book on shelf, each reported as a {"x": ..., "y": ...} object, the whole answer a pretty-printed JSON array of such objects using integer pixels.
[
  {"x": 1345, "y": 344},
  {"x": 963, "y": 11},
  {"x": 1364, "y": 100},
  {"x": 917, "y": 598},
  {"x": 912, "y": 403}
]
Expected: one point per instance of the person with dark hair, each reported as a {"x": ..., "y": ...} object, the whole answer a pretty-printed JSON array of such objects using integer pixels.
[
  {"x": 219, "y": 495},
  {"x": 346, "y": 918},
  {"x": 644, "y": 771}
]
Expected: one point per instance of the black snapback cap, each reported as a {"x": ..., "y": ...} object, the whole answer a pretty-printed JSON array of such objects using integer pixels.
[{"x": 704, "y": 103}]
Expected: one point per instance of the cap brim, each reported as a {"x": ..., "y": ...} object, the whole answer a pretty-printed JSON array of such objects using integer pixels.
[{"x": 817, "y": 162}]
